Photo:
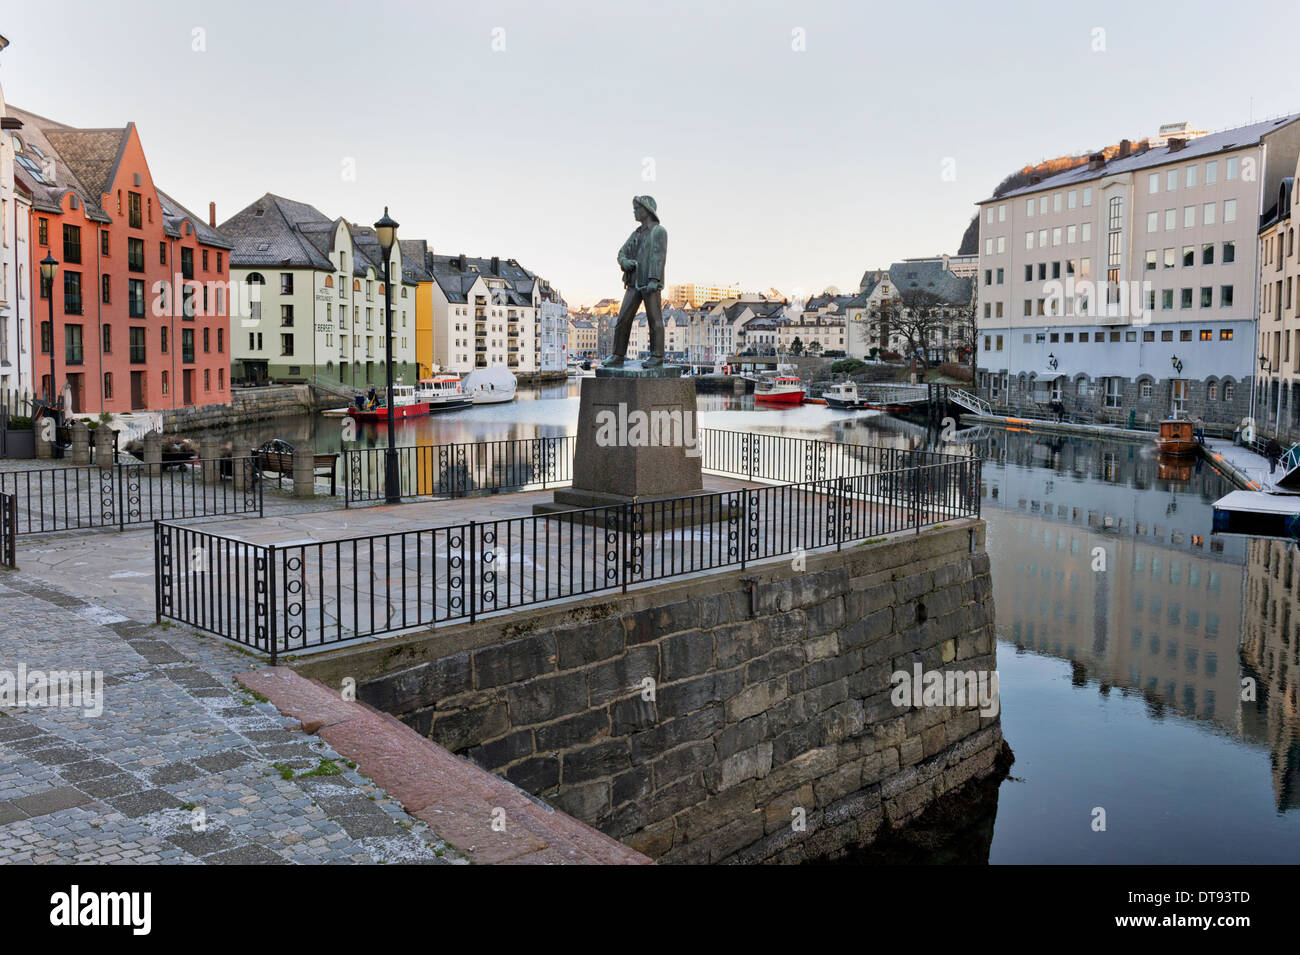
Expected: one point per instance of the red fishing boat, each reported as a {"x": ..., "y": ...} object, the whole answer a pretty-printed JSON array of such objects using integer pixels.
[{"x": 780, "y": 390}]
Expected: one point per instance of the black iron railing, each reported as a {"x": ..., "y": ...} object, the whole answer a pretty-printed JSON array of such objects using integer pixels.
[
  {"x": 60, "y": 499},
  {"x": 286, "y": 598},
  {"x": 459, "y": 470},
  {"x": 8, "y": 530}
]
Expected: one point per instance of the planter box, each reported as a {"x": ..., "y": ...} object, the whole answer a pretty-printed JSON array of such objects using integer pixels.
[{"x": 18, "y": 444}]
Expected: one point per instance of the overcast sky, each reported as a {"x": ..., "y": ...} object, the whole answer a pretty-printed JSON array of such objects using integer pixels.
[{"x": 523, "y": 129}]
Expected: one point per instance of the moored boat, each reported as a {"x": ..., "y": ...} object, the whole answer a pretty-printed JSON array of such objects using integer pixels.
[
  {"x": 844, "y": 396},
  {"x": 442, "y": 393},
  {"x": 1178, "y": 437},
  {"x": 780, "y": 389},
  {"x": 405, "y": 405}
]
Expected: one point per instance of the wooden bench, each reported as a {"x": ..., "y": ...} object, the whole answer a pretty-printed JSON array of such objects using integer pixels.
[{"x": 280, "y": 463}]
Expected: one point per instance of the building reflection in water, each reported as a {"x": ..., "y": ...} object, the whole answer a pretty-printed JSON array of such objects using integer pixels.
[
  {"x": 1178, "y": 616},
  {"x": 1270, "y": 653}
]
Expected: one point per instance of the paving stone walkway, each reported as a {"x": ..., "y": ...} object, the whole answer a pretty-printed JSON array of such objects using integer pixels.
[{"x": 182, "y": 766}]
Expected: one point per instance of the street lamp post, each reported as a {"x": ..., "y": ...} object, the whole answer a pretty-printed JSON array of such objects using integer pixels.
[
  {"x": 49, "y": 269},
  {"x": 386, "y": 232}
]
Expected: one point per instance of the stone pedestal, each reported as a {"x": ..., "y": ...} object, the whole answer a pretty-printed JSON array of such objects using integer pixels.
[
  {"x": 43, "y": 437},
  {"x": 80, "y": 450},
  {"x": 304, "y": 478},
  {"x": 637, "y": 440},
  {"x": 104, "y": 447},
  {"x": 209, "y": 453},
  {"x": 153, "y": 453}
]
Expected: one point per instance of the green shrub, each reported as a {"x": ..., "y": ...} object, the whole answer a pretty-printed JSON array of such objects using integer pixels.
[
  {"x": 847, "y": 366},
  {"x": 20, "y": 423}
]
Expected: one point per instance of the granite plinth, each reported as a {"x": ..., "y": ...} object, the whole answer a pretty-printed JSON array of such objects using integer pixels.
[
  {"x": 636, "y": 369},
  {"x": 638, "y": 439}
]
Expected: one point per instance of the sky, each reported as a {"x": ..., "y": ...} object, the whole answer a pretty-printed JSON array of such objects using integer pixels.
[{"x": 788, "y": 145}]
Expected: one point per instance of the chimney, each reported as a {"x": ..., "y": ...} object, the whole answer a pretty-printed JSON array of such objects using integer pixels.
[
  {"x": 1096, "y": 160},
  {"x": 1176, "y": 143},
  {"x": 1125, "y": 149},
  {"x": 460, "y": 262},
  {"x": 1035, "y": 179},
  {"x": 212, "y": 214},
  {"x": 496, "y": 265}
]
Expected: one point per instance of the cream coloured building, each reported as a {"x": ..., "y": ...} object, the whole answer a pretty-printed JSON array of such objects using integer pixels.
[
  {"x": 307, "y": 300},
  {"x": 485, "y": 313}
]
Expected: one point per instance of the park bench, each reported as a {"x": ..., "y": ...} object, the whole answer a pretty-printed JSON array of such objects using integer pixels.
[{"x": 276, "y": 457}]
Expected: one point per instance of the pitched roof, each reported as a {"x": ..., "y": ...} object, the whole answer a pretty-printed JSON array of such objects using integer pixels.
[
  {"x": 456, "y": 275},
  {"x": 1200, "y": 148},
  {"x": 174, "y": 214},
  {"x": 274, "y": 231},
  {"x": 48, "y": 190},
  {"x": 931, "y": 277}
]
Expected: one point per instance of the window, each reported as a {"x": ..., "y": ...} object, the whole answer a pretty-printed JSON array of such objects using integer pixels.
[
  {"x": 1029, "y": 240},
  {"x": 1184, "y": 334},
  {"x": 1071, "y": 233},
  {"x": 205, "y": 260},
  {"x": 1056, "y": 202},
  {"x": 137, "y": 346},
  {"x": 72, "y": 244},
  {"x": 72, "y": 344},
  {"x": 187, "y": 345},
  {"x": 1230, "y": 169},
  {"x": 135, "y": 297},
  {"x": 221, "y": 379},
  {"x": 219, "y": 264},
  {"x": 105, "y": 288},
  {"x": 108, "y": 339},
  {"x": 999, "y": 343},
  {"x": 1171, "y": 180},
  {"x": 1189, "y": 216},
  {"x": 1212, "y": 391},
  {"x": 1148, "y": 335},
  {"x": 72, "y": 293},
  {"x": 1207, "y": 253},
  {"x": 1001, "y": 278},
  {"x": 1225, "y": 299},
  {"x": 1029, "y": 206},
  {"x": 286, "y": 316},
  {"x": 207, "y": 343},
  {"x": 1229, "y": 389},
  {"x": 1225, "y": 334},
  {"x": 1191, "y": 176},
  {"x": 166, "y": 382},
  {"x": 1087, "y": 195},
  {"x": 1042, "y": 238},
  {"x": 135, "y": 255},
  {"x": 1042, "y": 271},
  {"x": 1056, "y": 236},
  {"x": 103, "y": 242},
  {"x": 1085, "y": 232},
  {"x": 1189, "y": 256},
  {"x": 1153, "y": 222},
  {"x": 162, "y": 253},
  {"x": 1185, "y": 298},
  {"x": 1178, "y": 389},
  {"x": 1146, "y": 389},
  {"x": 134, "y": 218},
  {"x": 207, "y": 379},
  {"x": 1229, "y": 252},
  {"x": 221, "y": 341},
  {"x": 108, "y": 386},
  {"x": 286, "y": 283},
  {"x": 1229, "y": 209},
  {"x": 43, "y": 231},
  {"x": 1169, "y": 258},
  {"x": 1211, "y": 173},
  {"x": 187, "y": 263},
  {"x": 1171, "y": 219},
  {"x": 1114, "y": 394},
  {"x": 1167, "y": 298},
  {"x": 1208, "y": 216},
  {"x": 163, "y": 338},
  {"x": 1153, "y": 183},
  {"x": 1207, "y": 335}
]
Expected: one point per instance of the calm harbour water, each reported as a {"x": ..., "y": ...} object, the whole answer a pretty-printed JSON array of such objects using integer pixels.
[{"x": 1121, "y": 688}]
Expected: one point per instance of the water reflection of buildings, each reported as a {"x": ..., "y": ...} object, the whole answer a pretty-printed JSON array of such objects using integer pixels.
[
  {"x": 1163, "y": 618},
  {"x": 1270, "y": 650}
]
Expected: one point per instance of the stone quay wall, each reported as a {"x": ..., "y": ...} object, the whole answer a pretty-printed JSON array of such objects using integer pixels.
[
  {"x": 246, "y": 404},
  {"x": 740, "y": 716}
]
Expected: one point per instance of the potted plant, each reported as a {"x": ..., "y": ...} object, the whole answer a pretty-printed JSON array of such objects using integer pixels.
[{"x": 17, "y": 438}]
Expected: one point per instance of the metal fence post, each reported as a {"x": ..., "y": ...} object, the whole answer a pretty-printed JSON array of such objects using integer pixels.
[
  {"x": 121, "y": 496},
  {"x": 839, "y": 513},
  {"x": 742, "y": 537},
  {"x": 271, "y": 603},
  {"x": 157, "y": 572},
  {"x": 473, "y": 577},
  {"x": 624, "y": 516}
]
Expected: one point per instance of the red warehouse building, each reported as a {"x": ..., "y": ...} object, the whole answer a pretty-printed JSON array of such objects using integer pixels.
[{"x": 123, "y": 337}]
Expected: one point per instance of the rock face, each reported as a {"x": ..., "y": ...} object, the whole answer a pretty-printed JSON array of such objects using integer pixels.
[{"x": 725, "y": 718}]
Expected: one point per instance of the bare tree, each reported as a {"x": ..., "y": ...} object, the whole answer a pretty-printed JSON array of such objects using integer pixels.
[{"x": 919, "y": 319}]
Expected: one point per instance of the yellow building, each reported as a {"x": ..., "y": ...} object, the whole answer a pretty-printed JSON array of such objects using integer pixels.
[{"x": 415, "y": 254}]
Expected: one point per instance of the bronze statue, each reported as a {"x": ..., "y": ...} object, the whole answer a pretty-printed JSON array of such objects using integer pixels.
[{"x": 642, "y": 260}]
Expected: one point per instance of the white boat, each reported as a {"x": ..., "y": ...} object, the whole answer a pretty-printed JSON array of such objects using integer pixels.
[
  {"x": 442, "y": 393},
  {"x": 844, "y": 395},
  {"x": 492, "y": 385},
  {"x": 780, "y": 389}
]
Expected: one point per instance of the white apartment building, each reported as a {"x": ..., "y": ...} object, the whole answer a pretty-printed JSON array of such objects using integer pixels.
[
  {"x": 314, "y": 301},
  {"x": 484, "y": 313},
  {"x": 15, "y": 284},
  {"x": 552, "y": 330},
  {"x": 1127, "y": 288}
]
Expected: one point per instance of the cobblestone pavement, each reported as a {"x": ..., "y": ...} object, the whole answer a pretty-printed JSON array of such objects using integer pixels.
[{"x": 183, "y": 766}]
